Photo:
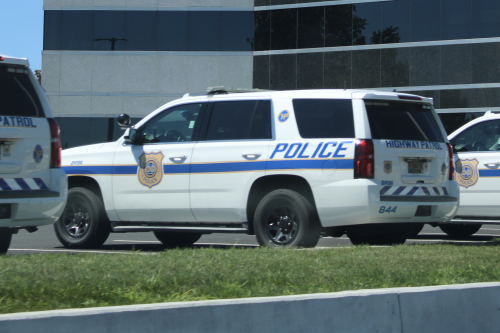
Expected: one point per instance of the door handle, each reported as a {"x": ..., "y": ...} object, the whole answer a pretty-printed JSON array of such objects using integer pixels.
[
  {"x": 492, "y": 165},
  {"x": 178, "y": 159},
  {"x": 251, "y": 156}
]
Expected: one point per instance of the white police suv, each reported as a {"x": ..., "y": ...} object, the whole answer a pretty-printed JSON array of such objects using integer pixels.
[
  {"x": 33, "y": 187},
  {"x": 287, "y": 166},
  {"x": 477, "y": 144}
]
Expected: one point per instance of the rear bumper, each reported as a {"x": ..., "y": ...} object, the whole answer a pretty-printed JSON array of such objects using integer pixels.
[
  {"x": 36, "y": 207},
  {"x": 359, "y": 201}
]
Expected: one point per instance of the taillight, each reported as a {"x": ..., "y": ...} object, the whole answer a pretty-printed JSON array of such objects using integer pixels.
[
  {"x": 452, "y": 162},
  {"x": 364, "y": 162},
  {"x": 55, "y": 144}
]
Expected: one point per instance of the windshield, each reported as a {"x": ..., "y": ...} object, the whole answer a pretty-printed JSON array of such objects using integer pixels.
[
  {"x": 402, "y": 121},
  {"x": 17, "y": 95}
]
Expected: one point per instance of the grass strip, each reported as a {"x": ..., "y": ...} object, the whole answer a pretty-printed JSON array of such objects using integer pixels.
[{"x": 60, "y": 281}]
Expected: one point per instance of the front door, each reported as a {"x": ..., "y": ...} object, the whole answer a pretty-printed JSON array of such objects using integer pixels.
[
  {"x": 478, "y": 148},
  {"x": 151, "y": 176}
]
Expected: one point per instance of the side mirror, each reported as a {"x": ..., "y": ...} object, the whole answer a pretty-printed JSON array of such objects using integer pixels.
[
  {"x": 131, "y": 135},
  {"x": 124, "y": 121}
]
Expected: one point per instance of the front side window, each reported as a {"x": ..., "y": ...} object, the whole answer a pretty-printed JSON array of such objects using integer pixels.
[
  {"x": 484, "y": 136},
  {"x": 172, "y": 125},
  {"x": 240, "y": 120}
]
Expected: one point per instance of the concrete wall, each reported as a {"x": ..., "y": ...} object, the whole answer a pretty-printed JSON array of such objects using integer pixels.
[
  {"x": 105, "y": 83},
  {"x": 93, "y": 83},
  {"x": 456, "y": 308}
]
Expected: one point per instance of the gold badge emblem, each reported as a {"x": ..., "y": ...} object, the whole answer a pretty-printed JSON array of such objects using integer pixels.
[
  {"x": 469, "y": 175},
  {"x": 387, "y": 167},
  {"x": 150, "y": 170}
]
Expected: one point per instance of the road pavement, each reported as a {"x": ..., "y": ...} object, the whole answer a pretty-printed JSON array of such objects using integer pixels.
[{"x": 45, "y": 240}]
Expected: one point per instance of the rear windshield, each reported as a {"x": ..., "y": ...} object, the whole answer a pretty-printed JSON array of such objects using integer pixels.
[
  {"x": 324, "y": 118},
  {"x": 402, "y": 121},
  {"x": 17, "y": 95}
]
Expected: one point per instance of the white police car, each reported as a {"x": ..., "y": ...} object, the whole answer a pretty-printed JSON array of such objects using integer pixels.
[
  {"x": 285, "y": 166},
  {"x": 33, "y": 187},
  {"x": 477, "y": 144}
]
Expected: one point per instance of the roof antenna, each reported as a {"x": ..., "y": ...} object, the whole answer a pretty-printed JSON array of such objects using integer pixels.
[
  {"x": 394, "y": 89},
  {"x": 345, "y": 85}
]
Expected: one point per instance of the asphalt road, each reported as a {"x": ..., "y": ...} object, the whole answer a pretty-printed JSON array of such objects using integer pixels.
[{"x": 45, "y": 240}]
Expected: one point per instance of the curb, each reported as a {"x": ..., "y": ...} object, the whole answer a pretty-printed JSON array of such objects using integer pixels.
[{"x": 452, "y": 308}]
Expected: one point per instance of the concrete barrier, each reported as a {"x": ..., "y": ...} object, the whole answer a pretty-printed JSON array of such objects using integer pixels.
[{"x": 454, "y": 308}]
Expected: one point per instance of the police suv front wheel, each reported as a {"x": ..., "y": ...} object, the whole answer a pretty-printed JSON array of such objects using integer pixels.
[
  {"x": 284, "y": 218},
  {"x": 83, "y": 223}
]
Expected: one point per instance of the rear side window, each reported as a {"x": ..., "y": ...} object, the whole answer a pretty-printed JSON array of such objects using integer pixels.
[
  {"x": 17, "y": 95},
  {"x": 240, "y": 120},
  {"x": 402, "y": 121},
  {"x": 324, "y": 118}
]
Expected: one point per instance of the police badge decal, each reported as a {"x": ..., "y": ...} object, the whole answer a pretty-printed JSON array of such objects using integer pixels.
[
  {"x": 150, "y": 171},
  {"x": 469, "y": 175}
]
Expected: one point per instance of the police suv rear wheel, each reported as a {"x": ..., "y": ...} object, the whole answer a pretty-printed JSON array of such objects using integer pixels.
[
  {"x": 460, "y": 230},
  {"x": 284, "y": 218},
  {"x": 5, "y": 238},
  {"x": 380, "y": 234},
  {"x": 172, "y": 240},
  {"x": 83, "y": 223}
]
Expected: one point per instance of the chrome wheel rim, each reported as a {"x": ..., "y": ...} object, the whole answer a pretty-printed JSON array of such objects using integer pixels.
[
  {"x": 76, "y": 220},
  {"x": 281, "y": 225}
]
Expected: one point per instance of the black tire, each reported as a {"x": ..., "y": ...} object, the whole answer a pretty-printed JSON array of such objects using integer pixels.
[
  {"x": 379, "y": 234},
  {"x": 83, "y": 223},
  {"x": 5, "y": 238},
  {"x": 172, "y": 240},
  {"x": 417, "y": 228},
  {"x": 284, "y": 218},
  {"x": 460, "y": 230}
]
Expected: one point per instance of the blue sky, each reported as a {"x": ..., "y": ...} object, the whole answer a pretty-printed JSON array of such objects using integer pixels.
[{"x": 21, "y": 32}]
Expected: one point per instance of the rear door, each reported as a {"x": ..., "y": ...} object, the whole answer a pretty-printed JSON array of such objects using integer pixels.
[
  {"x": 411, "y": 155},
  {"x": 231, "y": 157},
  {"x": 24, "y": 134}
]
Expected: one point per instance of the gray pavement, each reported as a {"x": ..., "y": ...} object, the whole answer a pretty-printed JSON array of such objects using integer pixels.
[{"x": 44, "y": 240}]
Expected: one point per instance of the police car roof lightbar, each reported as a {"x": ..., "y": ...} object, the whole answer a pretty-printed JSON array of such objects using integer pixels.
[{"x": 229, "y": 90}]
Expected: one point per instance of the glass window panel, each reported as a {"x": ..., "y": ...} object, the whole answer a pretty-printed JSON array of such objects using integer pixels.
[
  {"x": 172, "y": 125},
  {"x": 204, "y": 31},
  {"x": 396, "y": 21},
  {"x": 415, "y": 121},
  {"x": 283, "y": 29},
  {"x": 109, "y": 30},
  {"x": 98, "y": 130},
  {"x": 77, "y": 26},
  {"x": 395, "y": 67},
  {"x": 338, "y": 25},
  {"x": 485, "y": 18},
  {"x": 310, "y": 70},
  {"x": 52, "y": 27},
  {"x": 324, "y": 118},
  {"x": 261, "y": 72},
  {"x": 262, "y": 28},
  {"x": 75, "y": 131},
  {"x": 140, "y": 30},
  {"x": 18, "y": 96},
  {"x": 453, "y": 121},
  {"x": 366, "y": 23},
  {"x": 425, "y": 20},
  {"x": 455, "y": 19},
  {"x": 173, "y": 28},
  {"x": 283, "y": 72},
  {"x": 236, "y": 31},
  {"x": 240, "y": 120},
  {"x": 311, "y": 26},
  {"x": 484, "y": 136}
]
